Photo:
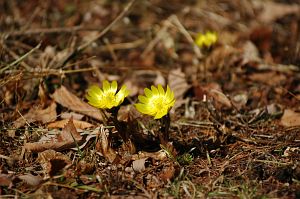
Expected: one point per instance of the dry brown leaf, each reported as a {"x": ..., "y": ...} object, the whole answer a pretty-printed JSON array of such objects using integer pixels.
[
  {"x": 31, "y": 179},
  {"x": 240, "y": 100},
  {"x": 273, "y": 10},
  {"x": 68, "y": 115},
  {"x": 5, "y": 180},
  {"x": 178, "y": 85},
  {"x": 221, "y": 58},
  {"x": 160, "y": 155},
  {"x": 72, "y": 102},
  {"x": 167, "y": 173},
  {"x": 68, "y": 138},
  {"x": 103, "y": 146},
  {"x": 139, "y": 165},
  {"x": 290, "y": 118},
  {"x": 250, "y": 53},
  {"x": 220, "y": 98},
  {"x": 53, "y": 162},
  {"x": 35, "y": 115},
  {"x": 271, "y": 78},
  {"x": 215, "y": 93},
  {"x": 77, "y": 124}
]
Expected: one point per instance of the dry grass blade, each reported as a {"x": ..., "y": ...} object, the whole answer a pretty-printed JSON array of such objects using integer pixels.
[{"x": 20, "y": 59}]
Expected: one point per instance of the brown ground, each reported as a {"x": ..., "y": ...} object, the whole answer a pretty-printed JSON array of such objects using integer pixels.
[{"x": 235, "y": 126}]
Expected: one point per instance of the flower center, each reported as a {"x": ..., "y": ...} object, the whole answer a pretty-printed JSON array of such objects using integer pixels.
[
  {"x": 110, "y": 97},
  {"x": 158, "y": 103}
]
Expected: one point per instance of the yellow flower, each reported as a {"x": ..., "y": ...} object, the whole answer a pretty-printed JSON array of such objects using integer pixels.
[
  {"x": 208, "y": 39},
  {"x": 106, "y": 98},
  {"x": 157, "y": 102}
]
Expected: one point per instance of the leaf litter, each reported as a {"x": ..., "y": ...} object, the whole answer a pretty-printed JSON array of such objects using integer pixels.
[{"x": 234, "y": 130}]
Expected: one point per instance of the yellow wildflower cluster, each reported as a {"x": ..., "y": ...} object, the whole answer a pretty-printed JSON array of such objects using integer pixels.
[
  {"x": 156, "y": 101},
  {"x": 208, "y": 39}
]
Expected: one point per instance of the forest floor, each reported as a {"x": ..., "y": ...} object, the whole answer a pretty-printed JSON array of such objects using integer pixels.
[{"x": 235, "y": 126}]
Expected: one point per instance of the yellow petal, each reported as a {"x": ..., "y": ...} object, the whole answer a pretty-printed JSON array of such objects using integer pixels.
[
  {"x": 141, "y": 108},
  {"x": 123, "y": 92},
  {"x": 168, "y": 92},
  {"x": 148, "y": 92},
  {"x": 95, "y": 90},
  {"x": 95, "y": 103},
  {"x": 114, "y": 86},
  {"x": 143, "y": 99},
  {"x": 106, "y": 86},
  {"x": 161, "y": 90},
  {"x": 154, "y": 90},
  {"x": 160, "y": 114}
]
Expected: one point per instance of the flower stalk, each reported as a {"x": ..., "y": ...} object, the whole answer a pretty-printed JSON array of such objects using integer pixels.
[{"x": 107, "y": 98}]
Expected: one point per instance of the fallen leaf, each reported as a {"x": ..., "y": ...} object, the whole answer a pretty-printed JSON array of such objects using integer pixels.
[
  {"x": 89, "y": 136},
  {"x": 167, "y": 173},
  {"x": 240, "y": 100},
  {"x": 72, "y": 102},
  {"x": 271, "y": 78},
  {"x": 220, "y": 98},
  {"x": 77, "y": 124},
  {"x": 83, "y": 167},
  {"x": 76, "y": 116},
  {"x": 272, "y": 10},
  {"x": 68, "y": 138},
  {"x": 103, "y": 146},
  {"x": 53, "y": 162},
  {"x": 250, "y": 53},
  {"x": 160, "y": 155},
  {"x": 222, "y": 57},
  {"x": 31, "y": 179},
  {"x": 139, "y": 165},
  {"x": 178, "y": 85},
  {"x": 35, "y": 115},
  {"x": 5, "y": 180},
  {"x": 215, "y": 93},
  {"x": 290, "y": 118}
]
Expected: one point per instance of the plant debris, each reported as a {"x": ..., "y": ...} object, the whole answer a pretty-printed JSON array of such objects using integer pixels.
[{"x": 233, "y": 132}]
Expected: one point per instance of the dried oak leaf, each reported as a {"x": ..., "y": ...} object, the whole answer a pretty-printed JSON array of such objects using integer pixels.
[
  {"x": 5, "y": 180},
  {"x": 78, "y": 124},
  {"x": 68, "y": 138},
  {"x": 271, "y": 78},
  {"x": 168, "y": 172},
  {"x": 35, "y": 115},
  {"x": 53, "y": 162},
  {"x": 139, "y": 165},
  {"x": 273, "y": 11},
  {"x": 31, "y": 179},
  {"x": 72, "y": 102},
  {"x": 103, "y": 146},
  {"x": 290, "y": 118},
  {"x": 178, "y": 84},
  {"x": 214, "y": 92}
]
